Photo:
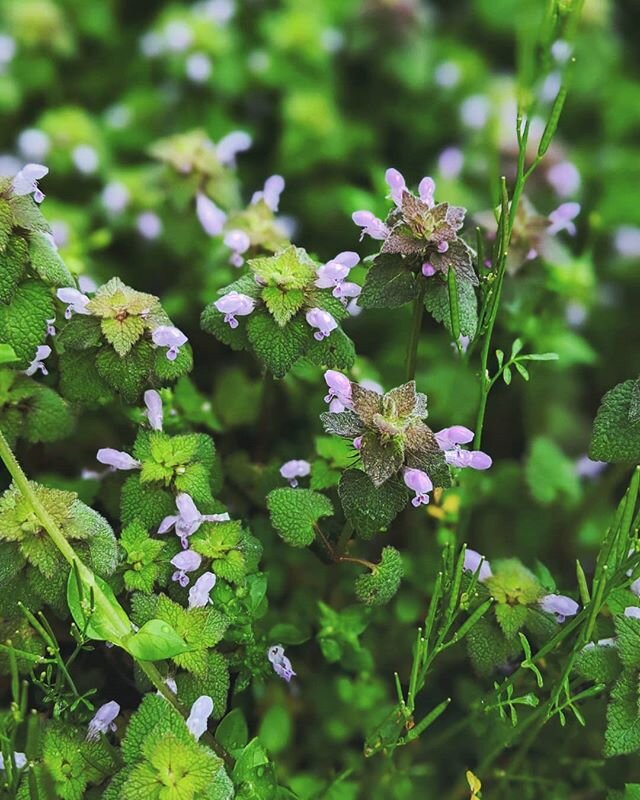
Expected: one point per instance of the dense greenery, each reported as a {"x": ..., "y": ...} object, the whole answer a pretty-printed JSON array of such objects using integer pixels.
[{"x": 321, "y": 473}]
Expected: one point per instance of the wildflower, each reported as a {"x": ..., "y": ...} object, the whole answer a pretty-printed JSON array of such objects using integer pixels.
[
  {"x": 562, "y": 219},
  {"x": 177, "y": 35},
  {"x": 428, "y": 270},
  {"x": 171, "y": 685},
  {"x": 230, "y": 145},
  {"x": 87, "y": 284},
  {"x": 149, "y": 225},
  {"x": 200, "y": 712},
  {"x": 238, "y": 242},
  {"x": 333, "y": 273},
  {"x": 372, "y": 386},
  {"x": 198, "y": 67},
  {"x": 357, "y": 442},
  {"x": 396, "y": 182},
  {"x": 564, "y": 178},
  {"x": 450, "y": 439},
  {"x": 171, "y": 338},
  {"x": 34, "y": 144},
  {"x": 560, "y": 606},
  {"x": 270, "y": 194},
  {"x": 447, "y": 74},
  {"x": 235, "y": 304},
  {"x": 474, "y": 560},
  {"x": 586, "y": 467},
  {"x": 153, "y": 402},
  {"x": 609, "y": 642},
  {"x": 7, "y": 49},
  {"x": 51, "y": 327},
  {"x": 199, "y": 592},
  {"x": 281, "y": 664},
  {"x": 370, "y": 224},
  {"x": 103, "y": 720},
  {"x": 627, "y": 241},
  {"x": 184, "y": 562},
  {"x": 474, "y": 111},
  {"x": 19, "y": 759},
  {"x": 210, "y": 216},
  {"x": 632, "y": 611},
  {"x": 188, "y": 519},
  {"x": 42, "y": 351},
  {"x": 85, "y": 159},
  {"x": 323, "y": 321},
  {"x": 76, "y": 302},
  {"x": 635, "y": 587},
  {"x": 26, "y": 181},
  {"x": 292, "y": 470},
  {"x": 339, "y": 397},
  {"x": 450, "y": 162},
  {"x": 117, "y": 459},
  {"x": 115, "y": 197},
  {"x": 420, "y": 483}
]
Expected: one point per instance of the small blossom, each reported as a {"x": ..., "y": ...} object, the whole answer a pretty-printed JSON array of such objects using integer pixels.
[
  {"x": 115, "y": 197},
  {"x": 198, "y": 67},
  {"x": 184, "y": 562},
  {"x": 426, "y": 190},
  {"x": 103, "y": 720},
  {"x": 474, "y": 561},
  {"x": 149, "y": 225},
  {"x": 85, "y": 159},
  {"x": 177, "y": 35},
  {"x": 210, "y": 216},
  {"x": 564, "y": 178},
  {"x": 609, "y": 642},
  {"x": 235, "y": 304},
  {"x": 42, "y": 351},
  {"x": 420, "y": 483},
  {"x": 627, "y": 241},
  {"x": 428, "y": 270},
  {"x": 199, "y": 715},
  {"x": 76, "y": 302},
  {"x": 339, "y": 397},
  {"x": 171, "y": 338},
  {"x": 153, "y": 402},
  {"x": 117, "y": 459},
  {"x": 292, "y": 470},
  {"x": 199, "y": 592},
  {"x": 560, "y": 606},
  {"x": 26, "y": 181},
  {"x": 7, "y": 48},
  {"x": 372, "y": 386},
  {"x": 632, "y": 611},
  {"x": 238, "y": 242},
  {"x": 188, "y": 519},
  {"x": 586, "y": 467},
  {"x": 273, "y": 188},
  {"x": 561, "y": 51},
  {"x": 19, "y": 759},
  {"x": 474, "y": 111},
  {"x": 87, "y": 284},
  {"x": 562, "y": 219},
  {"x": 334, "y": 272},
  {"x": 51, "y": 327},
  {"x": 450, "y": 439},
  {"x": 281, "y": 664},
  {"x": 370, "y": 224},
  {"x": 450, "y": 162},
  {"x": 230, "y": 145},
  {"x": 34, "y": 144},
  {"x": 323, "y": 321},
  {"x": 171, "y": 685},
  {"x": 347, "y": 290},
  {"x": 447, "y": 74},
  {"x": 357, "y": 442},
  {"x": 397, "y": 184},
  {"x": 635, "y": 587}
]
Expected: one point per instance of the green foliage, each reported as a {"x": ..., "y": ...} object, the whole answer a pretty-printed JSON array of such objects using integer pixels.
[
  {"x": 142, "y": 552},
  {"x": 550, "y": 474},
  {"x": 616, "y": 433},
  {"x": 389, "y": 283},
  {"x": 370, "y": 509},
  {"x": 294, "y": 513},
  {"x": 380, "y": 585},
  {"x": 278, "y": 348},
  {"x": 623, "y": 718},
  {"x": 23, "y": 323},
  {"x": 147, "y": 503},
  {"x": 599, "y": 664},
  {"x": 231, "y": 549},
  {"x": 31, "y": 411},
  {"x": 46, "y": 261},
  {"x": 437, "y": 303}
]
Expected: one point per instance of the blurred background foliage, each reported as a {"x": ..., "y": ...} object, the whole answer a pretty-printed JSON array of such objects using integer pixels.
[{"x": 333, "y": 92}]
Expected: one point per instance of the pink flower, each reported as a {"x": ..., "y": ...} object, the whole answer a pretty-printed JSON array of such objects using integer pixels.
[
  {"x": 370, "y": 224},
  {"x": 273, "y": 188},
  {"x": 562, "y": 219},
  {"x": 230, "y": 145},
  {"x": 281, "y": 664},
  {"x": 292, "y": 470},
  {"x": 184, "y": 562},
  {"x": 560, "y": 606},
  {"x": 199, "y": 592},
  {"x": 339, "y": 397},
  {"x": 450, "y": 439},
  {"x": 171, "y": 338},
  {"x": 76, "y": 302},
  {"x": 323, "y": 321},
  {"x": 238, "y": 242},
  {"x": 188, "y": 519},
  {"x": 396, "y": 183},
  {"x": 42, "y": 351},
  {"x": 117, "y": 459},
  {"x": 474, "y": 560},
  {"x": 26, "y": 181},
  {"x": 235, "y": 304},
  {"x": 153, "y": 402},
  {"x": 211, "y": 217},
  {"x": 420, "y": 483}
]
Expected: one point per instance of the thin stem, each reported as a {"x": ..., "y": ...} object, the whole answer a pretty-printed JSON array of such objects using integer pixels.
[{"x": 416, "y": 325}]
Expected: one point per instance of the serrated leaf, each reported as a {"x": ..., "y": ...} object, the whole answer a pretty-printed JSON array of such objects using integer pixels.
[
  {"x": 46, "y": 261},
  {"x": 290, "y": 268},
  {"x": 294, "y": 512},
  {"x": 511, "y": 618},
  {"x": 336, "y": 351},
  {"x": 343, "y": 423},
  {"x": 623, "y": 721},
  {"x": 126, "y": 376},
  {"x": 389, "y": 283},
  {"x": 379, "y": 586},
  {"x": 437, "y": 303},
  {"x": 615, "y": 437},
  {"x": 122, "y": 334},
  {"x": 370, "y": 509},
  {"x": 6, "y": 223},
  {"x": 13, "y": 263},
  {"x": 23, "y": 323},
  {"x": 381, "y": 459},
  {"x": 550, "y": 474},
  {"x": 283, "y": 304},
  {"x": 278, "y": 348}
]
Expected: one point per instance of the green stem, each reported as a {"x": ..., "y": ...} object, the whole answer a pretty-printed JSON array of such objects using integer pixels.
[
  {"x": 58, "y": 538},
  {"x": 416, "y": 324}
]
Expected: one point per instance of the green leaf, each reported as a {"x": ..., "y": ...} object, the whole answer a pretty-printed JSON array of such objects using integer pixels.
[
  {"x": 155, "y": 641},
  {"x": 599, "y": 664},
  {"x": 335, "y": 351},
  {"x": 94, "y": 607},
  {"x": 379, "y": 586},
  {"x": 510, "y": 618},
  {"x": 615, "y": 437},
  {"x": 46, "y": 261},
  {"x": 232, "y": 732},
  {"x": 622, "y": 735},
  {"x": 7, "y": 354},
  {"x": 370, "y": 509},
  {"x": 381, "y": 459},
  {"x": 23, "y": 324},
  {"x": 437, "y": 303},
  {"x": 550, "y": 474},
  {"x": 282, "y": 304},
  {"x": 6, "y": 223},
  {"x": 295, "y": 511},
  {"x": 13, "y": 263},
  {"x": 79, "y": 379},
  {"x": 80, "y": 333},
  {"x": 389, "y": 283},
  {"x": 628, "y": 640},
  {"x": 254, "y": 771},
  {"x": 122, "y": 334},
  {"x": 290, "y": 268},
  {"x": 126, "y": 376},
  {"x": 278, "y": 348}
]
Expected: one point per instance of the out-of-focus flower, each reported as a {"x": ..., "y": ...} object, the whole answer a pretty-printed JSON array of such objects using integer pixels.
[
  {"x": 211, "y": 217},
  {"x": 292, "y": 470},
  {"x": 632, "y": 611},
  {"x": 34, "y": 144},
  {"x": 103, "y": 720},
  {"x": 447, "y": 74},
  {"x": 115, "y": 197},
  {"x": 273, "y": 188},
  {"x": 19, "y": 759},
  {"x": 238, "y": 242},
  {"x": 562, "y": 219},
  {"x": 588, "y": 468},
  {"x": 450, "y": 162},
  {"x": 230, "y": 145},
  {"x": 564, "y": 178},
  {"x": 198, "y": 67},
  {"x": 177, "y": 35},
  {"x": 474, "y": 561},
  {"x": 85, "y": 159},
  {"x": 474, "y": 111},
  {"x": 149, "y": 225},
  {"x": 627, "y": 241}
]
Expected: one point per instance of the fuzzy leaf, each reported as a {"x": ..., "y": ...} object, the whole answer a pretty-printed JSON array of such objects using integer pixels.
[
  {"x": 126, "y": 376},
  {"x": 46, "y": 261},
  {"x": 378, "y": 587},
  {"x": 335, "y": 351},
  {"x": 389, "y": 283},
  {"x": 369, "y": 508},
  {"x": 510, "y": 618},
  {"x": 291, "y": 268},
  {"x": 615, "y": 437},
  {"x": 344, "y": 423},
  {"x": 23, "y": 324},
  {"x": 436, "y": 302},
  {"x": 282, "y": 304},
  {"x": 13, "y": 263},
  {"x": 122, "y": 334},
  {"x": 381, "y": 459},
  {"x": 622, "y": 735},
  {"x": 294, "y": 511},
  {"x": 278, "y": 348}
]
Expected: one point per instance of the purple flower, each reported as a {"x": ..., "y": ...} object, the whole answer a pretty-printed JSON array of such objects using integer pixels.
[
  {"x": 370, "y": 224},
  {"x": 428, "y": 269},
  {"x": 426, "y": 190},
  {"x": 211, "y": 217},
  {"x": 564, "y": 178},
  {"x": 199, "y": 592},
  {"x": 281, "y": 664},
  {"x": 116, "y": 459},
  {"x": 273, "y": 188},
  {"x": 450, "y": 439},
  {"x": 235, "y": 304},
  {"x": 560, "y": 606},
  {"x": 51, "y": 327},
  {"x": 357, "y": 442},
  {"x": 635, "y": 587},
  {"x": 627, "y": 241},
  {"x": 76, "y": 302},
  {"x": 200, "y": 712},
  {"x": 26, "y": 181},
  {"x": 347, "y": 290},
  {"x": 323, "y": 321},
  {"x": 87, "y": 284},
  {"x": 632, "y": 611},
  {"x": 397, "y": 184},
  {"x": 420, "y": 483},
  {"x": 103, "y": 720},
  {"x": 339, "y": 397},
  {"x": 238, "y": 242},
  {"x": 149, "y": 225},
  {"x": 42, "y": 351},
  {"x": 230, "y": 145},
  {"x": 334, "y": 272},
  {"x": 153, "y": 402},
  {"x": 19, "y": 759},
  {"x": 474, "y": 560},
  {"x": 372, "y": 386},
  {"x": 184, "y": 562},
  {"x": 292, "y": 470},
  {"x": 586, "y": 467},
  {"x": 450, "y": 162},
  {"x": 188, "y": 519},
  {"x": 609, "y": 642},
  {"x": 171, "y": 338},
  {"x": 562, "y": 219}
]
